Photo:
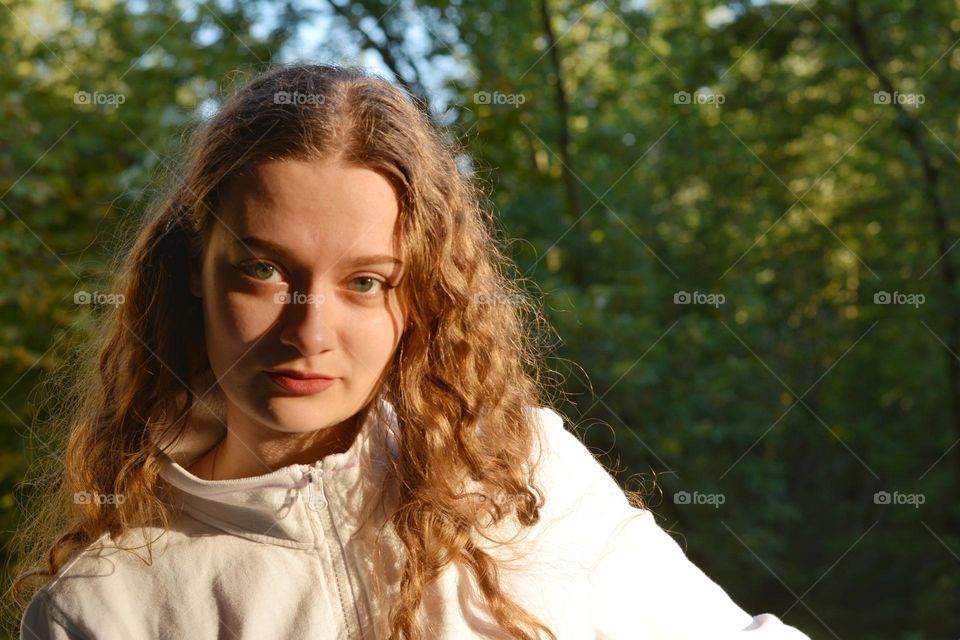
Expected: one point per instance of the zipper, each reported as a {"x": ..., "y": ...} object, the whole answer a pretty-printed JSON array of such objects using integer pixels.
[{"x": 317, "y": 502}]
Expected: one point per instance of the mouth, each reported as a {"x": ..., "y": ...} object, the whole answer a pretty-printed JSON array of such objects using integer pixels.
[
  {"x": 296, "y": 384},
  {"x": 300, "y": 375}
]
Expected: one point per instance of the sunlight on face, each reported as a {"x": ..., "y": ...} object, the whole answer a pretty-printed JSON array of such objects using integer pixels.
[{"x": 286, "y": 284}]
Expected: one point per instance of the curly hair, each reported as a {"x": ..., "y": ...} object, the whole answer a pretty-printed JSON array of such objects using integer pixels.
[{"x": 470, "y": 354}]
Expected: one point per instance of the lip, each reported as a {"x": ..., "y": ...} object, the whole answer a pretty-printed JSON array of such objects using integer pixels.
[
  {"x": 303, "y": 375},
  {"x": 300, "y": 386}
]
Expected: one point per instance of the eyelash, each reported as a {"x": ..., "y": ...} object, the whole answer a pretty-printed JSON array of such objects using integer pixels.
[{"x": 244, "y": 266}]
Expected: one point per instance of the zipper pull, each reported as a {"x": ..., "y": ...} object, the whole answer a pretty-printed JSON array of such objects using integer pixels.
[{"x": 316, "y": 496}]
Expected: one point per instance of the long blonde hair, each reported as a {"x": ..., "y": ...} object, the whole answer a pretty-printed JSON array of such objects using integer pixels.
[{"x": 471, "y": 351}]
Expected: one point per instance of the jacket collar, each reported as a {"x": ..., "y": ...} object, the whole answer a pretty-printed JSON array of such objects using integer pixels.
[{"x": 280, "y": 507}]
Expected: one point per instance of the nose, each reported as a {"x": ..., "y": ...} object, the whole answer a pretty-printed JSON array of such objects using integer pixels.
[{"x": 307, "y": 322}]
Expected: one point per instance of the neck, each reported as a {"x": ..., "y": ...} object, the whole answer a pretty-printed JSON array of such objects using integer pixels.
[{"x": 242, "y": 455}]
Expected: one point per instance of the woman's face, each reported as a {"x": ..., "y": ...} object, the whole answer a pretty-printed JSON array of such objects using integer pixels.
[{"x": 298, "y": 274}]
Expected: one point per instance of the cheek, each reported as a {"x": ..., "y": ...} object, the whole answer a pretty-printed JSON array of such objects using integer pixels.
[
  {"x": 235, "y": 317},
  {"x": 248, "y": 317},
  {"x": 372, "y": 337}
]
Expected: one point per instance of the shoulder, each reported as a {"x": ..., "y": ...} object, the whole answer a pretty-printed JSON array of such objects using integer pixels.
[
  {"x": 110, "y": 575},
  {"x": 589, "y": 523},
  {"x": 54, "y": 610},
  {"x": 569, "y": 473},
  {"x": 45, "y": 620},
  {"x": 105, "y": 559},
  {"x": 557, "y": 443},
  {"x": 583, "y": 504}
]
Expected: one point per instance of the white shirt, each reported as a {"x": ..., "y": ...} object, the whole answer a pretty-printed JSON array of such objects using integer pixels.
[{"x": 284, "y": 555}]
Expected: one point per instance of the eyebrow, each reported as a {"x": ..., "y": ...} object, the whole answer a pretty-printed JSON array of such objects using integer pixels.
[{"x": 251, "y": 241}]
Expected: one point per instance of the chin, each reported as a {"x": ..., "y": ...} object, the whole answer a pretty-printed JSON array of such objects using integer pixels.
[{"x": 300, "y": 419}]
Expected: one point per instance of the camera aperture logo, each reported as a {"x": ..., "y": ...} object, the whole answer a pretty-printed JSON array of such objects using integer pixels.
[
  {"x": 295, "y": 97},
  {"x": 99, "y": 98},
  {"x": 298, "y": 297},
  {"x": 497, "y": 297},
  {"x": 712, "y": 499},
  {"x": 904, "y": 99},
  {"x": 497, "y": 98},
  {"x": 699, "y": 97},
  {"x": 698, "y": 297},
  {"x": 98, "y": 298},
  {"x": 87, "y": 497},
  {"x": 897, "y": 297},
  {"x": 897, "y": 498}
]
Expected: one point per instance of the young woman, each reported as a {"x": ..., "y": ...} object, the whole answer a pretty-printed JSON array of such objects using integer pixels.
[{"x": 319, "y": 413}]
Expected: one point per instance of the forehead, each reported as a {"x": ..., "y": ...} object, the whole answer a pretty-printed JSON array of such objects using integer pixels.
[{"x": 310, "y": 205}]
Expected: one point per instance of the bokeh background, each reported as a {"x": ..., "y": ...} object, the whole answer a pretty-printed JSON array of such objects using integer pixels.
[{"x": 741, "y": 216}]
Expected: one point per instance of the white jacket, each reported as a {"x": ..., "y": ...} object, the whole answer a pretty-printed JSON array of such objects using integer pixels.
[{"x": 283, "y": 556}]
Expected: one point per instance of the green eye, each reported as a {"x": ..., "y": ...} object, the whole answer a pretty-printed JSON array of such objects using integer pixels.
[
  {"x": 256, "y": 269},
  {"x": 371, "y": 281},
  {"x": 261, "y": 266}
]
